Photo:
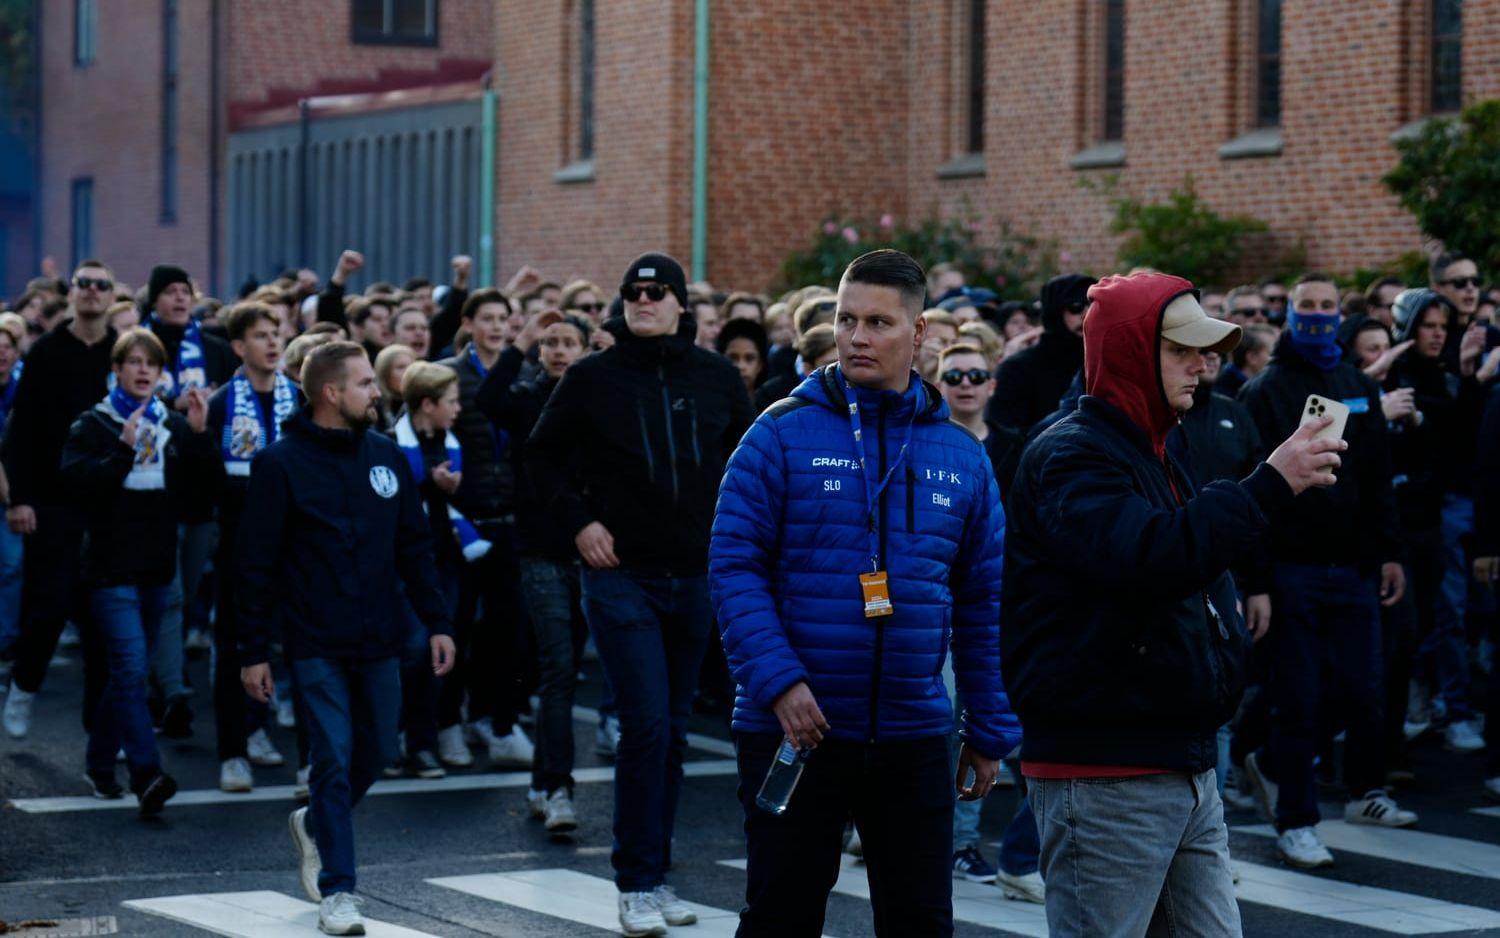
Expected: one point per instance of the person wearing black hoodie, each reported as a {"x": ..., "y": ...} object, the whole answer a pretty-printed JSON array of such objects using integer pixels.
[
  {"x": 627, "y": 456},
  {"x": 132, "y": 462},
  {"x": 1487, "y": 564},
  {"x": 1122, "y": 647},
  {"x": 1336, "y": 562},
  {"x": 1029, "y": 384}
]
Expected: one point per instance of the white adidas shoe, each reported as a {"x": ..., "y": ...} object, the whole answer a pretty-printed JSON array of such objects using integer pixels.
[
  {"x": 262, "y": 751},
  {"x": 452, "y": 749},
  {"x": 235, "y": 775},
  {"x": 514, "y": 749},
  {"x": 639, "y": 916},
  {"x": 1301, "y": 846},
  {"x": 339, "y": 915},
  {"x": 1378, "y": 809},
  {"x": 673, "y": 909}
]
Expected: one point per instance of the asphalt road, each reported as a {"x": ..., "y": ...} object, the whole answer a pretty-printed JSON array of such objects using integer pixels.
[{"x": 459, "y": 857}]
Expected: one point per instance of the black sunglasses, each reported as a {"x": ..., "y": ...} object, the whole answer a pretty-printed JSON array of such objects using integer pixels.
[
  {"x": 1461, "y": 282},
  {"x": 589, "y": 307},
  {"x": 1075, "y": 307},
  {"x": 953, "y": 377},
  {"x": 100, "y": 284},
  {"x": 632, "y": 292}
]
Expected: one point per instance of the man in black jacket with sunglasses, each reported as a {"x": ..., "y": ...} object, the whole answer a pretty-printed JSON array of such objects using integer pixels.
[
  {"x": 626, "y": 458},
  {"x": 1029, "y": 384}
]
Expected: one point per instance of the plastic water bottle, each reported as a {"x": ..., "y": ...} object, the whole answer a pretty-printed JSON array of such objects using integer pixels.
[{"x": 781, "y": 780}]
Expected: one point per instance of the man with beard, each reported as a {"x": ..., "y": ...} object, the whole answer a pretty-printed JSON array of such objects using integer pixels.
[
  {"x": 332, "y": 529},
  {"x": 1029, "y": 384}
]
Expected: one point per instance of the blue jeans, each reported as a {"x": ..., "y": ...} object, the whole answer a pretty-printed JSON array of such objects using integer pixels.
[
  {"x": 1325, "y": 649},
  {"x": 128, "y": 619},
  {"x": 1448, "y": 643},
  {"x": 350, "y": 710},
  {"x": 12, "y": 553},
  {"x": 651, "y": 633}
]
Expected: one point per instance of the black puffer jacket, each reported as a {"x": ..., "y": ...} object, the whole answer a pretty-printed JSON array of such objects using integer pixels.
[
  {"x": 1436, "y": 457},
  {"x": 488, "y": 490},
  {"x": 636, "y": 437}
]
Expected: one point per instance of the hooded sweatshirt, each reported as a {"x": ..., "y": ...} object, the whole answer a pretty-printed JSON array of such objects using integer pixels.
[
  {"x": 1122, "y": 650},
  {"x": 1029, "y": 384}
]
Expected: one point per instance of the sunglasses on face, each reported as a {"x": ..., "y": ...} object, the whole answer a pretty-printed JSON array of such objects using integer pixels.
[
  {"x": 589, "y": 307},
  {"x": 91, "y": 283},
  {"x": 1075, "y": 307},
  {"x": 1461, "y": 283},
  {"x": 953, "y": 377},
  {"x": 653, "y": 291}
]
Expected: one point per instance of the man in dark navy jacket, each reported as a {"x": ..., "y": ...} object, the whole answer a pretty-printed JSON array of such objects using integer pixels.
[
  {"x": 332, "y": 525},
  {"x": 858, "y": 536},
  {"x": 1122, "y": 648}
]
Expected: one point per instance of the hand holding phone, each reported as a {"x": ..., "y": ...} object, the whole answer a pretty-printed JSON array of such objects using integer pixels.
[{"x": 1318, "y": 407}]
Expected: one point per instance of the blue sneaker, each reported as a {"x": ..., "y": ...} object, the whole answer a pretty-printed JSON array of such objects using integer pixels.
[{"x": 969, "y": 864}]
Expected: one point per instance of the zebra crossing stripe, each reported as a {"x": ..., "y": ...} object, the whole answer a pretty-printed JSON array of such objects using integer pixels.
[
  {"x": 575, "y": 897},
  {"x": 258, "y": 914},
  {"x": 1383, "y": 909},
  {"x": 1487, "y": 812},
  {"x": 1434, "y": 851}
]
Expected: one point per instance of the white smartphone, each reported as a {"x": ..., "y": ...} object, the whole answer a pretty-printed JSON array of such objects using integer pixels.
[{"x": 1318, "y": 407}]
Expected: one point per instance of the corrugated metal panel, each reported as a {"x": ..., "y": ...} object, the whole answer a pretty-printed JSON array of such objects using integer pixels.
[{"x": 400, "y": 186}]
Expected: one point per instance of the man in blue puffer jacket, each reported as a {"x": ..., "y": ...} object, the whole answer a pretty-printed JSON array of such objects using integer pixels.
[{"x": 859, "y": 533}]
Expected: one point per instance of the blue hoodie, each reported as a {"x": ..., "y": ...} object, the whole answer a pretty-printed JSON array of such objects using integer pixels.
[{"x": 791, "y": 537}]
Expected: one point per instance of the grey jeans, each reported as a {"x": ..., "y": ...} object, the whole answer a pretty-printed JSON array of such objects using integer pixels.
[{"x": 1135, "y": 856}]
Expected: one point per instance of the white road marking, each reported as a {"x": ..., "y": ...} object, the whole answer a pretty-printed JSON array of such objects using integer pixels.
[
  {"x": 1487, "y": 812},
  {"x": 1434, "y": 851},
  {"x": 1384, "y": 909},
  {"x": 575, "y": 897},
  {"x": 719, "y": 747},
  {"x": 399, "y": 786},
  {"x": 259, "y": 914}
]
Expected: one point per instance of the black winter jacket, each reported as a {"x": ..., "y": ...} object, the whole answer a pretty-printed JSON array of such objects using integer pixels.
[
  {"x": 1437, "y": 457},
  {"x": 1487, "y": 480},
  {"x": 1121, "y": 642},
  {"x": 649, "y": 425},
  {"x": 132, "y": 534},
  {"x": 1030, "y": 384},
  {"x": 1351, "y": 523},
  {"x": 488, "y": 489},
  {"x": 1222, "y": 441},
  {"x": 333, "y": 526}
]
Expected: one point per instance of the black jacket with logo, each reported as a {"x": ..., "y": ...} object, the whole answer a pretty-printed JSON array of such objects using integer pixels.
[
  {"x": 636, "y": 437},
  {"x": 332, "y": 528}
]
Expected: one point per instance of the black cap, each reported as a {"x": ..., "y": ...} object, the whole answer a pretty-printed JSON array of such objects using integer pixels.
[
  {"x": 163, "y": 276},
  {"x": 663, "y": 270}
]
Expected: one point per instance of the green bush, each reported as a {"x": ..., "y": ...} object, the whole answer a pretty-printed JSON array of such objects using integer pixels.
[
  {"x": 1013, "y": 265},
  {"x": 1449, "y": 178},
  {"x": 1181, "y": 236}
]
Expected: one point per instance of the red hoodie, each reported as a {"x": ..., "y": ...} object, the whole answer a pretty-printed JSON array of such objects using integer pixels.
[{"x": 1122, "y": 365}]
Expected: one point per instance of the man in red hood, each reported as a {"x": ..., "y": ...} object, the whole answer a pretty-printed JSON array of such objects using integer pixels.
[{"x": 1122, "y": 646}]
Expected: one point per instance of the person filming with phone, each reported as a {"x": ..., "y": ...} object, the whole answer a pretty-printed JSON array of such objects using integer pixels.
[
  {"x": 1122, "y": 646},
  {"x": 1336, "y": 562}
]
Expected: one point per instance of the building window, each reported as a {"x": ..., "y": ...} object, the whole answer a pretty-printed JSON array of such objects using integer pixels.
[
  {"x": 83, "y": 219},
  {"x": 975, "y": 90},
  {"x": 85, "y": 29},
  {"x": 396, "y": 22},
  {"x": 1268, "y": 64},
  {"x": 1114, "y": 70},
  {"x": 1447, "y": 55},
  {"x": 586, "y": 79},
  {"x": 169, "y": 111}
]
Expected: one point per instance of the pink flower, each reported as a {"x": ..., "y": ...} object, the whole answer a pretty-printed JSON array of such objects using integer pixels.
[
  {"x": 1000, "y": 280},
  {"x": 1065, "y": 258},
  {"x": 851, "y": 235},
  {"x": 887, "y": 221},
  {"x": 830, "y": 228}
]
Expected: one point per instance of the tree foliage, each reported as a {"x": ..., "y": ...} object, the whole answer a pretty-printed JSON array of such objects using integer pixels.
[
  {"x": 1448, "y": 177},
  {"x": 1181, "y": 236}
]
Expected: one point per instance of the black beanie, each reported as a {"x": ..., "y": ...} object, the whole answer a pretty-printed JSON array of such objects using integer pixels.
[
  {"x": 163, "y": 276},
  {"x": 662, "y": 269}
]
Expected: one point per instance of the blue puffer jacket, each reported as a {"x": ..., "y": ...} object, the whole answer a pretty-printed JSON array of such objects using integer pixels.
[{"x": 792, "y": 535}]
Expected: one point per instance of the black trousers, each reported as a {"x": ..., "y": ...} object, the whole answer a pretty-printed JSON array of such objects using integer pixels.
[
  {"x": 487, "y": 631},
  {"x": 901, "y": 796},
  {"x": 50, "y": 592}
]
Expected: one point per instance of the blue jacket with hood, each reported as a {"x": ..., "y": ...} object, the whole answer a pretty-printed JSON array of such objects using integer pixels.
[{"x": 793, "y": 532}]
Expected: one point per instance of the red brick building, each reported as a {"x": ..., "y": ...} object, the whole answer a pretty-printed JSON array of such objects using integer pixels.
[
  {"x": 998, "y": 108},
  {"x": 141, "y": 97}
]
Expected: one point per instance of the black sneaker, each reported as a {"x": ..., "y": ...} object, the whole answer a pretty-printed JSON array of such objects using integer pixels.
[
  {"x": 177, "y": 720},
  {"x": 104, "y": 786},
  {"x": 423, "y": 764},
  {"x": 156, "y": 794}
]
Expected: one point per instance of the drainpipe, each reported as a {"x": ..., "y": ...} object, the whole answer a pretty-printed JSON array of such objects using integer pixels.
[
  {"x": 304, "y": 113},
  {"x": 700, "y": 141},
  {"x": 213, "y": 150},
  {"x": 487, "y": 184}
]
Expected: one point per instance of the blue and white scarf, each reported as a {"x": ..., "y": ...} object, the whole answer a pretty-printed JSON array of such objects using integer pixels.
[
  {"x": 188, "y": 368},
  {"x": 500, "y": 437},
  {"x": 247, "y": 428},
  {"x": 469, "y": 541},
  {"x": 149, "y": 471}
]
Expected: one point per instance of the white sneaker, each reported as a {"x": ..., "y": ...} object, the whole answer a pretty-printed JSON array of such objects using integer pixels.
[
  {"x": 309, "y": 864},
  {"x": 1028, "y": 888},
  {"x": 339, "y": 915},
  {"x": 536, "y": 804},
  {"x": 480, "y": 734},
  {"x": 1461, "y": 736},
  {"x": 1411, "y": 729},
  {"x": 69, "y": 637},
  {"x": 1492, "y": 788},
  {"x": 302, "y": 791},
  {"x": 1378, "y": 809},
  {"x": 1263, "y": 789},
  {"x": 639, "y": 915},
  {"x": 234, "y": 775},
  {"x": 560, "y": 817},
  {"x": 1301, "y": 846},
  {"x": 513, "y": 749},
  {"x": 197, "y": 640},
  {"x": 607, "y": 738},
  {"x": 262, "y": 751},
  {"x": 452, "y": 749},
  {"x": 286, "y": 715},
  {"x": 17, "y": 715},
  {"x": 673, "y": 909}
]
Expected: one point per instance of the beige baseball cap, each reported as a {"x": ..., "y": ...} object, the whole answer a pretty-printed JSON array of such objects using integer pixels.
[{"x": 1185, "y": 322}]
